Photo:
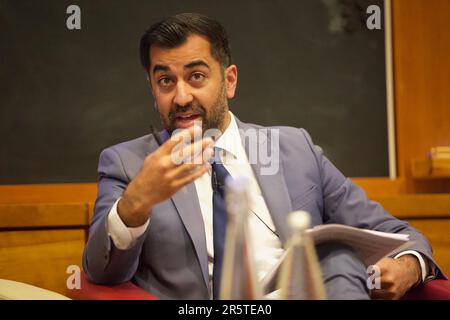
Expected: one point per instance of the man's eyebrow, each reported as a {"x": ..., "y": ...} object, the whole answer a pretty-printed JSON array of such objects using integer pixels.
[
  {"x": 196, "y": 63},
  {"x": 190, "y": 65},
  {"x": 160, "y": 67}
]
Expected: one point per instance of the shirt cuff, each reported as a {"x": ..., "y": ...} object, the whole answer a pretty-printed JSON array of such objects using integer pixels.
[
  {"x": 423, "y": 265},
  {"x": 122, "y": 236}
]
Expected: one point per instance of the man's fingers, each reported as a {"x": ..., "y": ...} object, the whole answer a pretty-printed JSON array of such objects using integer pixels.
[
  {"x": 382, "y": 294},
  {"x": 378, "y": 294},
  {"x": 192, "y": 153},
  {"x": 184, "y": 170},
  {"x": 387, "y": 281},
  {"x": 191, "y": 177},
  {"x": 182, "y": 136},
  {"x": 171, "y": 143}
]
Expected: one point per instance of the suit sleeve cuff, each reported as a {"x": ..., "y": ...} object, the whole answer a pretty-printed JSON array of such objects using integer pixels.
[
  {"x": 122, "y": 236},
  {"x": 422, "y": 262}
]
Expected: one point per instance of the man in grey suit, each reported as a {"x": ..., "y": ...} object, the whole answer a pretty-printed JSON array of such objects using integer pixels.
[{"x": 154, "y": 220}]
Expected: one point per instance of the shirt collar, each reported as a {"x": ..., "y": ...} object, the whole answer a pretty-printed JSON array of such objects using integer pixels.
[{"x": 230, "y": 140}]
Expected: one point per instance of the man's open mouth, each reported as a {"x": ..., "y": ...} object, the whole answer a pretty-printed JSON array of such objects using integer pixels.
[{"x": 185, "y": 120}]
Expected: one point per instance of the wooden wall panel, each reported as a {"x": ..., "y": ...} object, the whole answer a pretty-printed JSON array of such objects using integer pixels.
[
  {"x": 48, "y": 193},
  {"x": 43, "y": 215},
  {"x": 422, "y": 84},
  {"x": 425, "y": 206},
  {"x": 39, "y": 241},
  {"x": 437, "y": 232},
  {"x": 40, "y": 258},
  {"x": 375, "y": 187}
]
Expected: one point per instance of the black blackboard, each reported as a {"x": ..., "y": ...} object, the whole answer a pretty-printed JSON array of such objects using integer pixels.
[{"x": 67, "y": 94}]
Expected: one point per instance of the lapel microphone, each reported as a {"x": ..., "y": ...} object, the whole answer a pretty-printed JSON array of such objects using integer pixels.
[{"x": 156, "y": 135}]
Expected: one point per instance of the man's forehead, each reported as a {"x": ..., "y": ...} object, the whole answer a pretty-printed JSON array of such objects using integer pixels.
[{"x": 195, "y": 48}]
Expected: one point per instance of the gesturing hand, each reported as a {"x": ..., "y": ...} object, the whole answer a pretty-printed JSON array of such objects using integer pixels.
[{"x": 162, "y": 175}]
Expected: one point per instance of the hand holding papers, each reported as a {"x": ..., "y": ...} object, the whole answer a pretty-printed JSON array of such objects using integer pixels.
[{"x": 370, "y": 245}]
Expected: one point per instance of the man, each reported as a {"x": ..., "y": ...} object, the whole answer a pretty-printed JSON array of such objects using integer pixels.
[{"x": 157, "y": 221}]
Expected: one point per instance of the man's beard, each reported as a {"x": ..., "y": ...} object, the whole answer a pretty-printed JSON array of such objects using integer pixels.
[{"x": 211, "y": 119}]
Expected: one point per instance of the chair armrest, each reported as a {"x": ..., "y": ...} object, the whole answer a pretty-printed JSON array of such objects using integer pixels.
[
  {"x": 124, "y": 291},
  {"x": 433, "y": 290}
]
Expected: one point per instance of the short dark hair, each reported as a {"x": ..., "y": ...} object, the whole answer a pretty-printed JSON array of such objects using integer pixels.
[{"x": 173, "y": 31}]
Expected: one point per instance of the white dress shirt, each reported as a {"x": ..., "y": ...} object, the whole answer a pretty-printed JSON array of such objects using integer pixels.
[{"x": 267, "y": 245}]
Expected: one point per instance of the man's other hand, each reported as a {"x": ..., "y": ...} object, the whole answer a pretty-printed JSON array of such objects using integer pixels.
[{"x": 397, "y": 277}]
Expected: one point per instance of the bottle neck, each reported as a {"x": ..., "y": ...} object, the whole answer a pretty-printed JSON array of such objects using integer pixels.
[{"x": 298, "y": 237}]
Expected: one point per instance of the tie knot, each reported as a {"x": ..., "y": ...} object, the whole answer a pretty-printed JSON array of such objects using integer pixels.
[{"x": 216, "y": 158}]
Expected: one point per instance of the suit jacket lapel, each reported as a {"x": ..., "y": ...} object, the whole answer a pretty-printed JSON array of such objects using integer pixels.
[
  {"x": 273, "y": 187},
  {"x": 188, "y": 207}
]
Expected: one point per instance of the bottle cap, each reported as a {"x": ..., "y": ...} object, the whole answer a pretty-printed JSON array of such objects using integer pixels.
[{"x": 299, "y": 220}]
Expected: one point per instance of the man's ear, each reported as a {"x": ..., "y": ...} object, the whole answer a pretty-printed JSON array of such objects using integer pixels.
[{"x": 231, "y": 75}]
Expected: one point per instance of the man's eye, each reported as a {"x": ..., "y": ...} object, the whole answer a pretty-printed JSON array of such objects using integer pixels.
[
  {"x": 165, "y": 81},
  {"x": 197, "y": 76}
]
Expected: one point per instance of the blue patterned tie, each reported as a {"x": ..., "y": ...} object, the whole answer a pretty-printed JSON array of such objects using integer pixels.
[{"x": 218, "y": 176}]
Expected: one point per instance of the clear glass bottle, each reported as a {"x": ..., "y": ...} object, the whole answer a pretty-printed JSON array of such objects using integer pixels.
[
  {"x": 239, "y": 280},
  {"x": 300, "y": 277}
]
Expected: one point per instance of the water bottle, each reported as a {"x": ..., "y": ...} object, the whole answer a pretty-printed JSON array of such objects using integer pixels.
[
  {"x": 300, "y": 277},
  {"x": 238, "y": 280}
]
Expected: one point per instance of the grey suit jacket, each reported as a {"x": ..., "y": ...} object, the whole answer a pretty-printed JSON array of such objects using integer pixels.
[{"x": 170, "y": 259}]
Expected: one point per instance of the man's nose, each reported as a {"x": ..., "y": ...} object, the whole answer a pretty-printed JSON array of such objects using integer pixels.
[{"x": 183, "y": 94}]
